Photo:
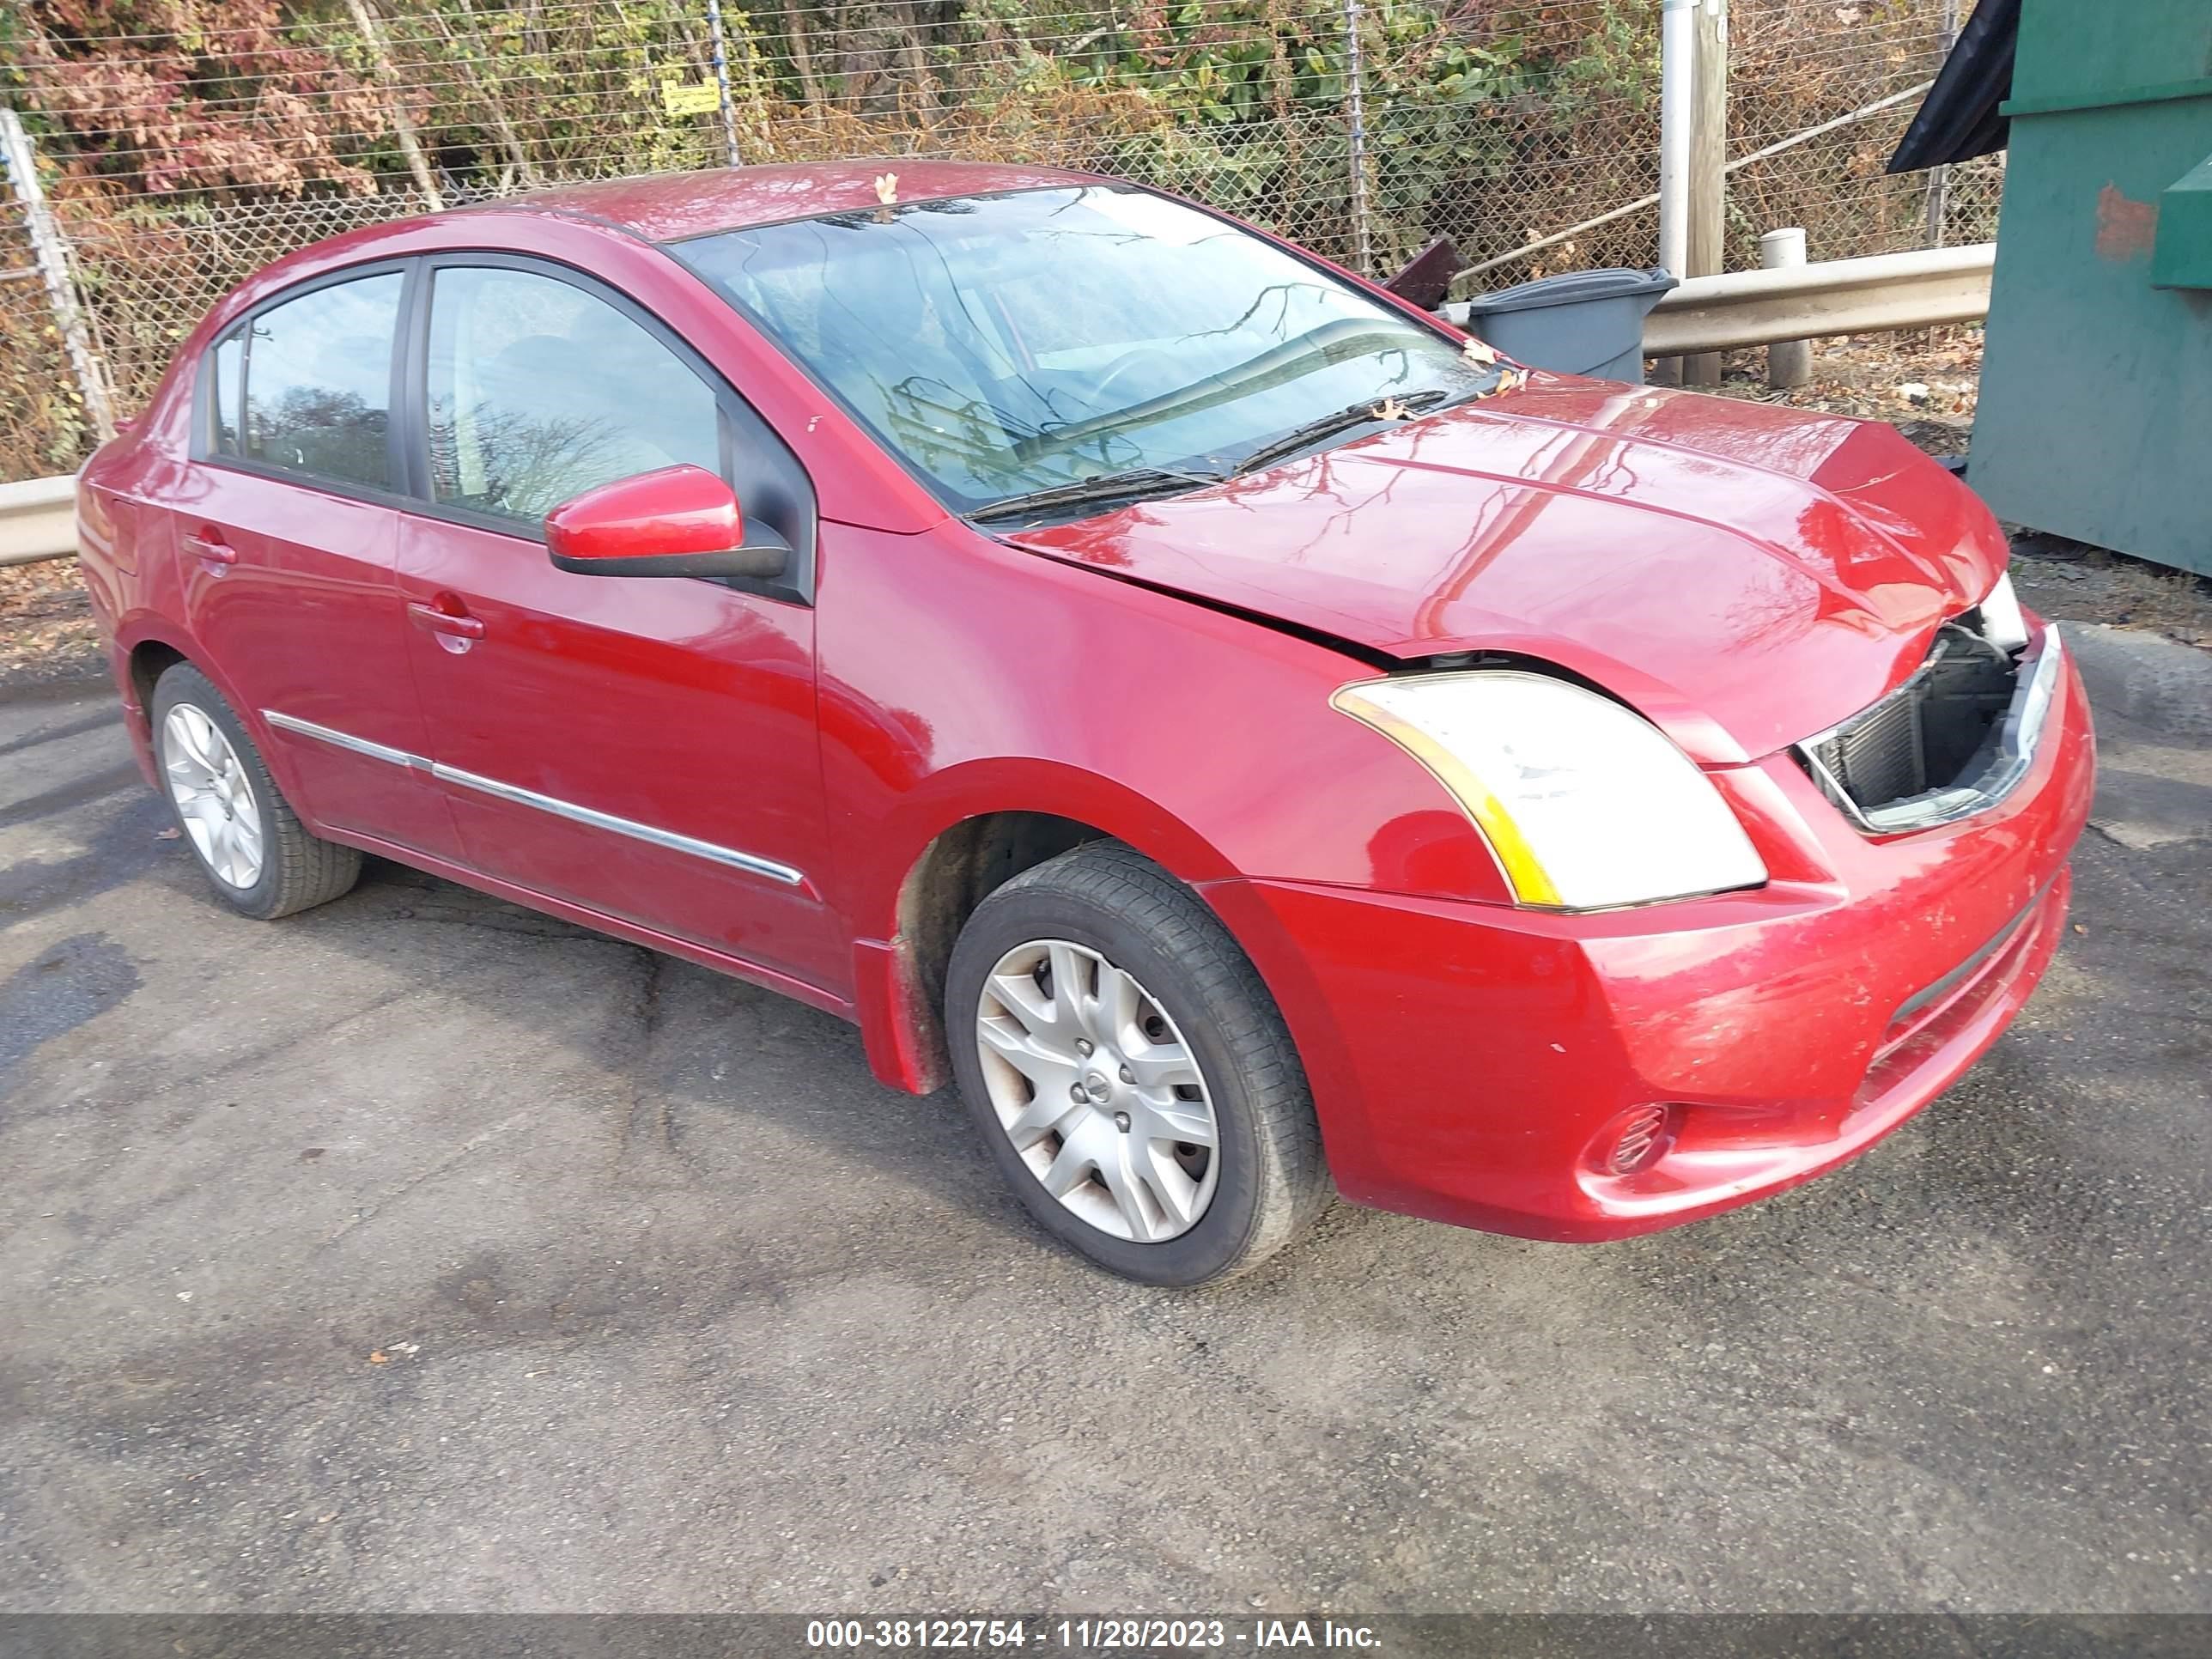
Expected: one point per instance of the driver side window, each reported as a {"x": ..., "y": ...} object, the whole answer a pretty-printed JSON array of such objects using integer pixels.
[{"x": 540, "y": 391}]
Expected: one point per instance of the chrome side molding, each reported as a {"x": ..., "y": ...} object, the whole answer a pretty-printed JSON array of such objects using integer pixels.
[
  {"x": 751, "y": 863},
  {"x": 338, "y": 739},
  {"x": 708, "y": 850}
]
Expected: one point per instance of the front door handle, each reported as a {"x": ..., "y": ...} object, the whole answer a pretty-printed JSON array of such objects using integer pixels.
[
  {"x": 456, "y": 631},
  {"x": 209, "y": 546}
]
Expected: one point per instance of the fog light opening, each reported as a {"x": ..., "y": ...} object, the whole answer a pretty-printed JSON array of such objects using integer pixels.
[{"x": 1645, "y": 1135}]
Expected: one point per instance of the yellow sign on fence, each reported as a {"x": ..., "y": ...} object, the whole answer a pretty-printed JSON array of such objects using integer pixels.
[{"x": 680, "y": 98}]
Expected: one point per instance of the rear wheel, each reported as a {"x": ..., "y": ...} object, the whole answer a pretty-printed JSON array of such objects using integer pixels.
[
  {"x": 1129, "y": 1072},
  {"x": 259, "y": 858}
]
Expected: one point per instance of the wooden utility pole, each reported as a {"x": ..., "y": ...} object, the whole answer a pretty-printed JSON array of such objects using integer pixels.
[{"x": 1708, "y": 229}]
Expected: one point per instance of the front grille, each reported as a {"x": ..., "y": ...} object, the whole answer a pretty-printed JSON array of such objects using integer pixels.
[
  {"x": 1934, "y": 734},
  {"x": 1877, "y": 756}
]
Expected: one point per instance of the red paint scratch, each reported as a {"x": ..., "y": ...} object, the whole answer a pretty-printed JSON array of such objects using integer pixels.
[{"x": 2125, "y": 228}]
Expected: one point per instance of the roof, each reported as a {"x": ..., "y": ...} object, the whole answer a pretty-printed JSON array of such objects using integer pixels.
[
  {"x": 1959, "y": 119},
  {"x": 663, "y": 207}
]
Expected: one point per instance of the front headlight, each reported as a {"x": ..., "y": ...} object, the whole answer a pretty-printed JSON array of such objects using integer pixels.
[
  {"x": 1585, "y": 803},
  {"x": 2003, "y": 625}
]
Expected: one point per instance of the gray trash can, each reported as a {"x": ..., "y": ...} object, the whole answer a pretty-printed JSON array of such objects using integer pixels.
[{"x": 1580, "y": 322}]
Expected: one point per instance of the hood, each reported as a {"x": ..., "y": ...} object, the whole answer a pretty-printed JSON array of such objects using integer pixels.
[{"x": 1745, "y": 574}]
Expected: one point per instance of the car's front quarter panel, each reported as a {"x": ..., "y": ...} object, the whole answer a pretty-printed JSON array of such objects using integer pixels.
[
  {"x": 960, "y": 678},
  {"x": 953, "y": 666}
]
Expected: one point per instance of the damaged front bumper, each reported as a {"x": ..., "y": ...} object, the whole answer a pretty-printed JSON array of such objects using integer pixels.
[{"x": 1481, "y": 1065}]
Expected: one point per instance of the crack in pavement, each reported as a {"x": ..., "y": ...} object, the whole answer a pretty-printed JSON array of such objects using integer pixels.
[{"x": 483, "y": 1138}]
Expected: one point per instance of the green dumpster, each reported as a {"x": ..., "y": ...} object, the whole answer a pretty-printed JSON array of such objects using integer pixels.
[{"x": 2095, "y": 419}]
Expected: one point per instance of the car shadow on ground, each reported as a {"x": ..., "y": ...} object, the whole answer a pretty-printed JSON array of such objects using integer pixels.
[{"x": 687, "y": 1027}]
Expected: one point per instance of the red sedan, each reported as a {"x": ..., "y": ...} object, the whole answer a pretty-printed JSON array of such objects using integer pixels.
[{"x": 1255, "y": 742}]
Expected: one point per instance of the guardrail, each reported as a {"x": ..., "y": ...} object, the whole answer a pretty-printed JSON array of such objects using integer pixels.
[
  {"x": 1836, "y": 296},
  {"x": 38, "y": 520}
]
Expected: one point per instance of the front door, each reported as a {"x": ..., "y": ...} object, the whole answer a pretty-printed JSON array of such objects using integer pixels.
[
  {"x": 642, "y": 746},
  {"x": 287, "y": 541}
]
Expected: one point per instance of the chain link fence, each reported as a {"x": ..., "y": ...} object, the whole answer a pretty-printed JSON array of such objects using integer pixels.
[
  {"x": 1794, "y": 66},
  {"x": 180, "y": 162}
]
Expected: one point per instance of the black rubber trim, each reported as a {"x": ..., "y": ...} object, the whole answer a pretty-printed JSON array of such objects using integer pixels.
[{"x": 1966, "y": 970}]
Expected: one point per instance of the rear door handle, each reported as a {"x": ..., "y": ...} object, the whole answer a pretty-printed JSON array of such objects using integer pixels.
[
  {"x": 207, "y": 545},
  {"x": 446, "y": 623}
]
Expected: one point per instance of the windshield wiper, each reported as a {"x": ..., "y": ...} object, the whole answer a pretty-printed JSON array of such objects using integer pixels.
[
  {"x": 1129, "y": 484},
  {"x": 1328, "y": 426}
]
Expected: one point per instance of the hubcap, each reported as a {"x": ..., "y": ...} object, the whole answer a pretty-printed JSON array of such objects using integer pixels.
[
  {"x": 1098, "y": 1091},
  {"x": 213, "y": 796}
]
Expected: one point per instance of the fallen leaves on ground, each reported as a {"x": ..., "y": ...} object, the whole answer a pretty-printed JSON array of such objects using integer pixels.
[
  {"x": 1924, "y": 382},
  {"x": 44, "y": 618}
]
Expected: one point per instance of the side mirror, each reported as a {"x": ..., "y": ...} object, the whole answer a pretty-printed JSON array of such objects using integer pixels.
[{"x": 678, "y": 521}]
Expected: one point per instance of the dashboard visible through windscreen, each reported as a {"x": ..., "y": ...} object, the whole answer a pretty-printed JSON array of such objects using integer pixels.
[{"x": 1006, "y": 343}]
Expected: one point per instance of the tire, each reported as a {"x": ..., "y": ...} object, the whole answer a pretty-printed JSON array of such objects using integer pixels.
[
  {"x": 1188, "y": 1215},
  {"x": 293, "y": 870}
]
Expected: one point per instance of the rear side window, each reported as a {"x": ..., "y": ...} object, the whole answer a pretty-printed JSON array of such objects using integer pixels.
[
  {"x": 318, "y": 382},
  {"x": 229, "y": 361},
  {"x": 539, "y": 391}
]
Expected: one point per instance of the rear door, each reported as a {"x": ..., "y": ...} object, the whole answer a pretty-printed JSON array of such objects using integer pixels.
[
  {"x": 642, "y": 746},
  {"x": 287, "y": 546}
]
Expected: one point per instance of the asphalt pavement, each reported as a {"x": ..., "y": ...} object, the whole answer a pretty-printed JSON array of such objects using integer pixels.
[{"x": 421, "y": 1252}]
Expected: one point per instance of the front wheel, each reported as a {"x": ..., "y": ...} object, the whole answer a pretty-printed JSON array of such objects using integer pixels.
[{"x": 1129, "y": 1072}]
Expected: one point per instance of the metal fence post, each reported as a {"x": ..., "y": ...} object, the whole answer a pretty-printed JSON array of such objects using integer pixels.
[
  {"x": 722, "y": 82},
  {"x": 1707, "y": 254},
  {"x": 1939, "y": 178},
  {"x": 1788, "y": 362},
  {"x": 51, "y": 251},
  {"x": 1356, "y": 101}
]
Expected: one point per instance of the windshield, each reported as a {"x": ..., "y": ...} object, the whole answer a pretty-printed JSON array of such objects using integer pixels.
[{"x": 1004, "y": 344}]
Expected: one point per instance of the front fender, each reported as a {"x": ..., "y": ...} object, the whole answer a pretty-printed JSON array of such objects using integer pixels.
[
  {"x": 958, "y": 677},
  {"x": 977, "y": 788}
]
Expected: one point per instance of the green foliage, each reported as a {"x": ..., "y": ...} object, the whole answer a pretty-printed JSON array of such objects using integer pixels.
[
  {"x": 514, "y": 95},
  {"x": 1242, "y": 102},
  {"x": 1618, "y": 63},
  {"x": 1253, "y": 100}
]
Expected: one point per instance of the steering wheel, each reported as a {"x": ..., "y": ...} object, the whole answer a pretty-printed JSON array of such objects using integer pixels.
[{"x": 1103, "y": 386}]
